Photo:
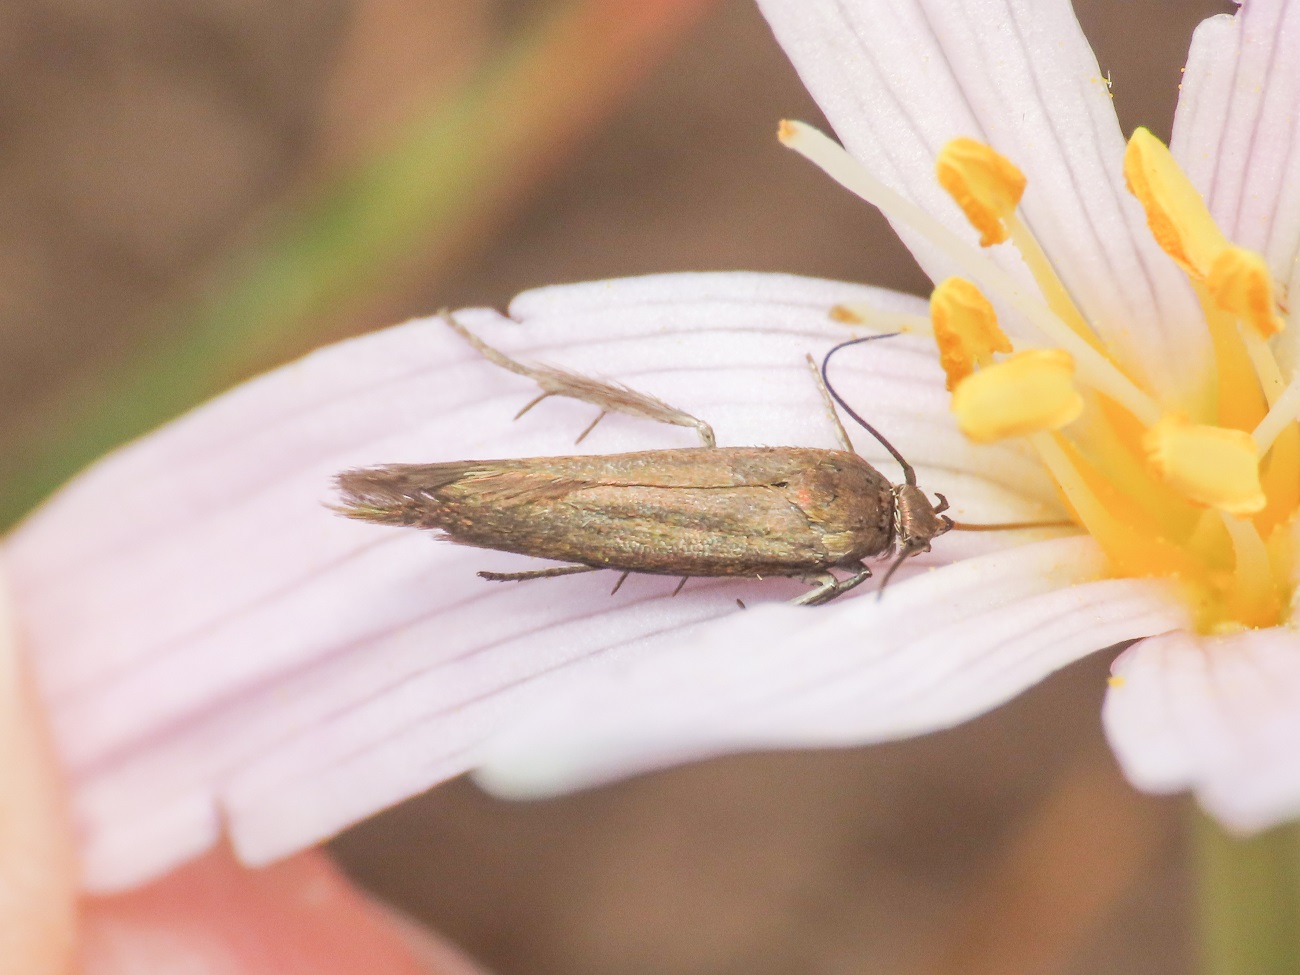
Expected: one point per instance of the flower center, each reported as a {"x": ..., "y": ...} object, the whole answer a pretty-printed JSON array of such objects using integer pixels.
[{"x": 1204, "y": 499}]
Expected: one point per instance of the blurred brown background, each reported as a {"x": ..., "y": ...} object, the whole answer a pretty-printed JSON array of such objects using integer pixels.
[{"x": 141, "y": 142}]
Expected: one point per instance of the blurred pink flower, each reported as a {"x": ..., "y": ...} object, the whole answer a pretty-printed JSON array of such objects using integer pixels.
[{"x": 221, "y": 654}]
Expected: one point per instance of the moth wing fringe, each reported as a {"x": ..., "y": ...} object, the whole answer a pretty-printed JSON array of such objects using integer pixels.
[{"x": 409, "y": 494}]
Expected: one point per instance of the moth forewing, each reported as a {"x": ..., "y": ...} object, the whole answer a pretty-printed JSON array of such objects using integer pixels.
[
  {"x": 705, "y": 511},
  {"x": 734, "y": 511}
]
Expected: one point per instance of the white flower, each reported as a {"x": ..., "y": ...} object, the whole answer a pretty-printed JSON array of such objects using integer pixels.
[{"x": 220, "y": 652}]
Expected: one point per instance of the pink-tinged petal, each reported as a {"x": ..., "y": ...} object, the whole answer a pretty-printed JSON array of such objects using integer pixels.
[
  {"x": 1237, "y": 128},
  {"x": 1218, "y": 715},
  {"x": 947, "y": 645},
  {"x": 899, "y": 78},
  {"x": 38, "y": 869},
  {"x": 300, "y": 917},
  {"x": 220, "y": 652}
]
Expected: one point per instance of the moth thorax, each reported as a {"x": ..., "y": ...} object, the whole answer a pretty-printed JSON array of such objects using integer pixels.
[{"x": 915, "y": 520}]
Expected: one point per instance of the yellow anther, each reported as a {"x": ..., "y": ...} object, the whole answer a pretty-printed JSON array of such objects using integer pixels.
[
  {"x": 965, "y": 329},
  {"x": 986, "y": 185},
  {"x": 1176, "y": 212},
  {"x": 1030, "y": 392},
  {"x": 1241, "y": 284},
  {"x": 1212, "y": 466}
]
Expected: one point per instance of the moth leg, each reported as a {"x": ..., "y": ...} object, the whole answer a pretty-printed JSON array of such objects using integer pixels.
[
  {"x": 610, "y": 397},
  {"x": 619, "y": 585},
  {"x": 592, "y": 426},
  {"x": 825, "y": 583},
  {"x": 680, "y": 584},
  {"x": 531, "y": 403},
  {"x": 829, "y": 587},
  {"x": 559, "y": 570},
  {"x": 843, "y": 434}
]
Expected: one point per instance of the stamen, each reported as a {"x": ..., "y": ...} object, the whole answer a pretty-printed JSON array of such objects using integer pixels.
[
  {"x": 965, "y": 329},
  {"x": 985, "y": 184},
  {"x": 1111, "y": 441},
  {"x": 1266, "y": 367},
  {"x": 1030, "y": 392},
  {"x": 1284, "y": 410},
  {"x": 1280, "y": 475},
  {"x": 1130, "y": 550},
  {"x": 1253, "y": 597},
  {"x": 1093, "y": 367},
  {"x": 1240, "y": 400},
  {"x": 1241, "y": 283},
  {"x": 988, "y": 187},
  {"x": 1053, "y": 288},
  {"x": 1176, "y": 212},
  {"x": 1213, "y": 466},
  {"x": 1236, "y": 279},
  {"x": 1073, "y": 486}
]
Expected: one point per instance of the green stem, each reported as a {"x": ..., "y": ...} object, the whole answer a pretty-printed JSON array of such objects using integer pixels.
[{"x": 1249, "y": 900}]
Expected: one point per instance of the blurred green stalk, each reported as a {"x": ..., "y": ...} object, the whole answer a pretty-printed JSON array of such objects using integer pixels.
[
  {"x": 1249, "y": 900},
  {"x": 448, "y": 175}
]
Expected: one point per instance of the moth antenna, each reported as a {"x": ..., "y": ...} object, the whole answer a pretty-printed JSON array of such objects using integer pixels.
[{"x": 909, "y": 475}]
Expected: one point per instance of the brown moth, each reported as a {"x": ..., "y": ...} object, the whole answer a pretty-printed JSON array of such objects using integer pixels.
[{"x": 702, "y": 511}]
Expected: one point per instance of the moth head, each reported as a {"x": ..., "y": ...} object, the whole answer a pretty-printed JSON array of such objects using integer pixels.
[{"x": 917, "y": 519}]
